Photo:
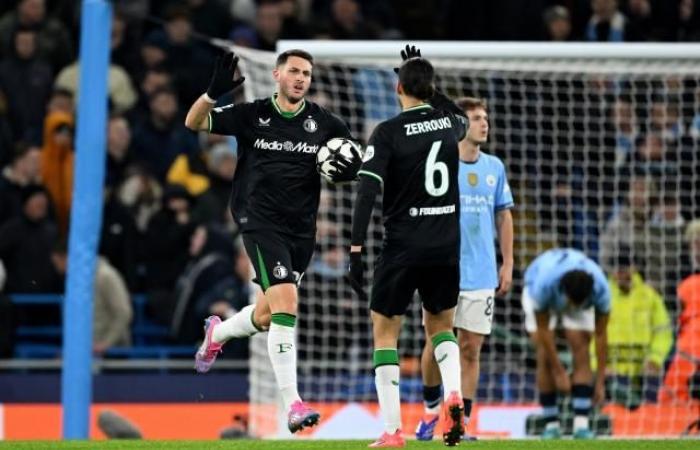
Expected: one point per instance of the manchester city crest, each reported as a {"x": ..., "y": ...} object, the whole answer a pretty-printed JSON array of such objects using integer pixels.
[{"x": 310, "y": 125}]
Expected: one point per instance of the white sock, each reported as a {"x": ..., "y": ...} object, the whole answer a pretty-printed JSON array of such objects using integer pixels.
[
  {"x": 580, "y": 422},
  {"x": 447, "y": 357},
  {"x": 386, "y": 379},
  {"x": 240, "y": 325},
  {"x": 554, "y": 424},
  {"x": 283, "y": 356},
  {"x": 433, "y": 410}
]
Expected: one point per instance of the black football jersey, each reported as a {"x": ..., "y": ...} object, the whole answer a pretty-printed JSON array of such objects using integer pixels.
[
  {"x": 276, "y": 185},
  {"x": 416, "y": 158}
]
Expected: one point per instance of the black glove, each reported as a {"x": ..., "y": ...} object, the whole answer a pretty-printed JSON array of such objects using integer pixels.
[
  {"x": 356, "y": 275},
  {"x": 346, "y": 169},
  {"x": 222, "y": 80},
  {"x": 409, "y": 52}
]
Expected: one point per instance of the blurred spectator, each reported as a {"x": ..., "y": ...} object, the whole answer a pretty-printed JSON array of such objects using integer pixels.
[
  {"x": 629, "y": 228},
  {"x": 608, "y": 24},
  {"x": 24, "y": 170},
  {"x": 154, "y": 79},
  {"x": 159, "y": 139},
  {"x": 54, "y": 41},
  {"x": 6, "y": 138},
  {"x": 122, "y": 95},
  {"x": 640, "y": 336},
  {"x": 61, "y": 100},
  {"x": 168, "y": 238},
  {"x": 209, "y": 17},
  {"x": 209, "y": 278},
  {"x": 118, "y": 150},
  {"x": 57, "y": 157},
  {"x": 119, "y": 238},
  {"x": 666, "y": 242},
  {"x": 213, "y": 205},
  {"x": 188, "y": 61},
  {"x": 665, "y": 119},
  {"x": 23, "y": 72},
  {"x": 267, "y": 28},
  {"x": 292, "y": 26},
  {"x": 689, "y": 12},
  {"x": 626, "y": 130},
  {"x": 685, "y": 362},
  {"x": 123, "y": 45},
  {"x": 347, "y": 21},
  {"x": 141, "y": 194},
  {"x": 557, "y": 23},
  {"x": 112, "y": 310},
  {"x": 154, "y": 51},
  {"x": 25, "y": 245}
]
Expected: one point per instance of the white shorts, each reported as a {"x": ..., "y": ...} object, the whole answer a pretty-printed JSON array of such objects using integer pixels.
[
  {"x": 475, "y": 310},
  {"x": 577, "y": 319}
]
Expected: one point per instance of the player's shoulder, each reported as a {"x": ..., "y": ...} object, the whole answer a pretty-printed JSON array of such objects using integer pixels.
[
  {"x": 323, "y": 113},
  {"x": 493, "y": 160}
]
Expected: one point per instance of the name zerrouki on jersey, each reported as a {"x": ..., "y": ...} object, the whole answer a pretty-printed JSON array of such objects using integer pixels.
[
  {"x": 286, "y": 146},
  {"x": 427, "y": 126}
]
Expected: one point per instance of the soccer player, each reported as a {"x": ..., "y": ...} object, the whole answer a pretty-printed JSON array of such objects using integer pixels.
[
  {"x": 564, "y": 284},
  {"x": 274, "y": 201},
  {"x": 413, "y": 158},
  {"x": 485, "y": 206}
]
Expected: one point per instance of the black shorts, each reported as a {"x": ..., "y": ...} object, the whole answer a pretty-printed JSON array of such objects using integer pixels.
[
  {"x": 277, "y": 257},
  {"x": 394, "y": 286}
]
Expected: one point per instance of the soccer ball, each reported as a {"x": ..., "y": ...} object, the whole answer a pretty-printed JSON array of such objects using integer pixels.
[{"x": 339, "y": 160}]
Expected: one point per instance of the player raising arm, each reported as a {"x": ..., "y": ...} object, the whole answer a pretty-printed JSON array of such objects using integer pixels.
[
  {"x": 564, "y": 284},
  {"x": 413, "y": 158},
  {"x": 274, "y": 201},
  {"x": 485, "y": 205}
]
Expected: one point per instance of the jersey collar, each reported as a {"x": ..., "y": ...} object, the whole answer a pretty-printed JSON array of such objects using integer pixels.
[
  {"x": 285, "y": 114},
  {"x": 418, "y": 107}
]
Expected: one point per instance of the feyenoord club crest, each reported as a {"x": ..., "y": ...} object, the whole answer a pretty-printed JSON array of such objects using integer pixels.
[
  {"x": 473, "y": 179},
  {"x": 280, "y": 272},
  {"x": 310, "y": 125}
]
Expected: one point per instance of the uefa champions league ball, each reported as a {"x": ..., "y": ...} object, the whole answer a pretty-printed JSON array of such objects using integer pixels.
[{"x": 339, "y": 160}]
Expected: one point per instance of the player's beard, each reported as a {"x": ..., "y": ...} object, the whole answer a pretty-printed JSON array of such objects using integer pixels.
[{"x": 291, "y": 98}]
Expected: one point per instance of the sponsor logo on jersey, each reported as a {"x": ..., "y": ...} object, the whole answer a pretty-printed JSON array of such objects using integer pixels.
[
  {"x": 427, "y": 126},
  {"x": 473, "y": 179},
  {"x": 280, "y": 272},
  {"x": 432, "y": 211},
  {"x": 264, "y": 122},
  {"x": 286, "y": 146},
  {"x": 310, "y": 125},
  {"x": 490, "y": 180},
  {"x": 476, "y": 203}
]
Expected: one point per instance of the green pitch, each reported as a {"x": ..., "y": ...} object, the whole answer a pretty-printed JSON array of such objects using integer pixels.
[{"x": 359, "y": 444}]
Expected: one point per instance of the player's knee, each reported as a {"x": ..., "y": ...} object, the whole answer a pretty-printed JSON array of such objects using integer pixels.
[{"x": 262, "y": 318}]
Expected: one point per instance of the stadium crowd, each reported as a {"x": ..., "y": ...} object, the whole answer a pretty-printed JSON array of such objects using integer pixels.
[{"x": 167, "y": 230}]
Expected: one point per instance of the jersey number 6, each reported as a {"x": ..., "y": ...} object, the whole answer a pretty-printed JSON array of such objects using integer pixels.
[{"x": 432, "y": 166}]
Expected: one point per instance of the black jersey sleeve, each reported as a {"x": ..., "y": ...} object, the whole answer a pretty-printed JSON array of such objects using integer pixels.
[
  {"x": 230, "y": 119},
  {"x": 362, "y": 211},
  {"x": 444, "y": 103},
  {"x": 338, "y": 127},
  {"x": 377, "y": 155}
]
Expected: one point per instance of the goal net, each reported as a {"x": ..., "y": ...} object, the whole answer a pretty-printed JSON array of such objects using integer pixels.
[{"x": 602, "y": 155}]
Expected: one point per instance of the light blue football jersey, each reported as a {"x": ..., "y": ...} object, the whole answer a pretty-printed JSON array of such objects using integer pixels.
[
  {"x": 543, "y": 275},
  {"x": 483, "y": 191}
]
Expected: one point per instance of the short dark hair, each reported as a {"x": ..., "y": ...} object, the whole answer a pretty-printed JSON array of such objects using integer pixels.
[
  {"x": 469, "y": 103},
  {"x": 416, "y": 76},
  {"x": 299, "y": 53},
  {"x": 577, "y": 285}
]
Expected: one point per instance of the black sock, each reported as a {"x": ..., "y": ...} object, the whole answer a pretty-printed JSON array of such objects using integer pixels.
[
  {"x": 581, "y": 399},
  {"x": 431, "y": 395},
  {"x": 550, "y": 409},
  {"x": 467, "y": 407}
]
